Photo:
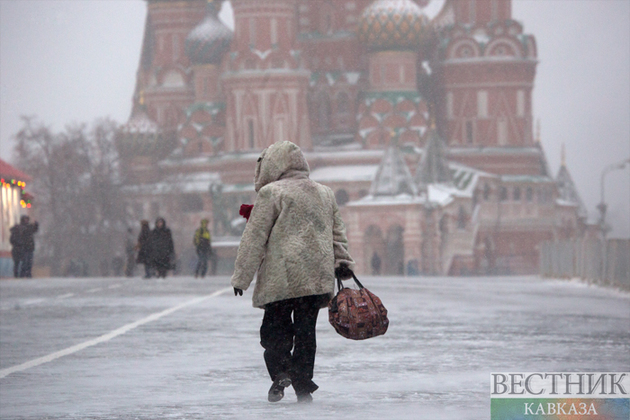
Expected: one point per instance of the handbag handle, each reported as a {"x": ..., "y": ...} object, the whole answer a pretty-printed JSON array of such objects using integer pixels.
[{"x": 340, "y": 285}]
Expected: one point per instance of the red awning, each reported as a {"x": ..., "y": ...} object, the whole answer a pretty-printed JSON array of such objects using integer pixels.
[{"x": 8, "y": 172}]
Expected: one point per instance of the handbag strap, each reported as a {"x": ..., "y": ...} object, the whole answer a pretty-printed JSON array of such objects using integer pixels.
[
  {"x": 340, "y": 285},
  {"x": 356, "y": 280}
]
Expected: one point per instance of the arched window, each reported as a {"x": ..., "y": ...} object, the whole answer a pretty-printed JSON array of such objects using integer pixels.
[
  {"x": 529, "y": 194},
  {"x": 251, "y": 133},
  {"x": 274, "y": 32},
  {"x": 517, "y": 194},
  {"x": 323, "y": 111},
  {"x": 502, "y": 131},
  {"x": 470, "y": 133}
]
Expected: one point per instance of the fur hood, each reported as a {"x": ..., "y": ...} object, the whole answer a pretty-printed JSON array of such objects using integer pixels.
[{"x": 278, "y": 161}]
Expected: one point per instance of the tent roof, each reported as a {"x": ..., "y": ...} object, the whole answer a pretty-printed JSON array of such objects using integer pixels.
[{"x": 9, "y": 172}]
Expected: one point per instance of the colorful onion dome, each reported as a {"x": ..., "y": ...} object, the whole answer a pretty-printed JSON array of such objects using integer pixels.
[
  {"x": 209, "y": 40},
  {"x": 393, "y": 25}
]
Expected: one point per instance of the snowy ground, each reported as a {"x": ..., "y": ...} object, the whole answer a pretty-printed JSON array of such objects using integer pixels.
[{"x": 202, "y": 359}]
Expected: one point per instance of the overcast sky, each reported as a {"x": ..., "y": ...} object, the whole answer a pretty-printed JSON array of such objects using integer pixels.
[{"x": 74, "y": 61}]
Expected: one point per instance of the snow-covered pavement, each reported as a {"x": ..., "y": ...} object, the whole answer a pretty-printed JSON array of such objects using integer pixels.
[{"x": 181, "y": 348}]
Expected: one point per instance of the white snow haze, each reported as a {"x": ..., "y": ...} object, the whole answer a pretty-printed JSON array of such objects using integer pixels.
[{"x": 71, "y": 61}]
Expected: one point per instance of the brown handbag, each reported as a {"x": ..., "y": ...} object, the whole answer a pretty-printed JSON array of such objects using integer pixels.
[{"x": 357, "y": 314}]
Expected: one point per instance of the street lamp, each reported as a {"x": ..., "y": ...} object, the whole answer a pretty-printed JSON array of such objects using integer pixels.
[{"x": 602, "y": 211}]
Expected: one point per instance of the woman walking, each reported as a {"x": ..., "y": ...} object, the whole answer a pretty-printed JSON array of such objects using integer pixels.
[{"x": 296, "y": 240}]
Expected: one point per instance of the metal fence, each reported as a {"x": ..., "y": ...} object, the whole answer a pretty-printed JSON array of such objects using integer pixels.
[{"x": 592, "y": 260}]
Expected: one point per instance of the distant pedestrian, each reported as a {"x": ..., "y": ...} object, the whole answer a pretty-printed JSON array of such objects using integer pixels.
[
  {"x": 376, "y": 264},
  {"x": 23, "y": 243},
  {"x": 144, "y": 253},
  {"x": 203, "y": 245},
  {"x": 296, "y": 241},
  {"x": 162, "y": 248},
  {"x": 130, "y": 253}
]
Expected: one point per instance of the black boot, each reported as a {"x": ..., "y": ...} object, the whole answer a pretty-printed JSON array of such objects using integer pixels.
[{"x": 276, "y": 392}]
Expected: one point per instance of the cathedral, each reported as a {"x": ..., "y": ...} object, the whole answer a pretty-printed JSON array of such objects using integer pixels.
[{"x": 422, "y": 127}]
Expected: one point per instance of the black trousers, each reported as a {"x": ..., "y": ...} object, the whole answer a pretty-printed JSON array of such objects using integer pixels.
[
  {"x": 22, "y": 264},
  {"x": 288, "y": 336}
]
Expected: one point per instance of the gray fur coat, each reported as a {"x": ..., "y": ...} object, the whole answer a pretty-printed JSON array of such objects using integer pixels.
[{"x": 295, "y": 237}]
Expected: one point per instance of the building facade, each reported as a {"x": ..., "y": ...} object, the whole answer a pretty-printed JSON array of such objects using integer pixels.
[{"x": 422, "y": 127}]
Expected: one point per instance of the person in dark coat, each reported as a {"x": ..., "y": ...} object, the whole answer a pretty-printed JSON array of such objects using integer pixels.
[
  {"x": 202, "y": 241},
  {"x": 23, "y": 242},
  {"x": 144, "y": 253},
  {"x": 162, "y": 248}
]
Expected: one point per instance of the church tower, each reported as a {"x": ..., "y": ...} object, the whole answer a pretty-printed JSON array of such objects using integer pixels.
[
  {"x": 265, "y": 83},
  {"x": 485, "y": 66},
  {"x": 203, "y": 131},
  {"x": 164, "y": 77},
  {"x": 395, "y": 34}
]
